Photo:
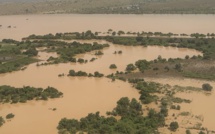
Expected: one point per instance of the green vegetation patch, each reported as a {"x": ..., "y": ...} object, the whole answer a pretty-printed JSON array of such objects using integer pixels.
[
  {"x": 16, "y": 64},
  {"x": 131, "y": 121},
  {"x": 10, "y": 94}
]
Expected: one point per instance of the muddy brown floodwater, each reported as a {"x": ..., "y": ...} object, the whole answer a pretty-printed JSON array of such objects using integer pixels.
[
  {"x": 201, "y": 105},
  {"x": 85, "y": 95},
  {"x": 24, "y": 25},
  {"x": 81, "y": 95}
]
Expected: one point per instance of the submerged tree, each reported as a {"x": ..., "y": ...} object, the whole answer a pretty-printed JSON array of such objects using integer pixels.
[{"x": 207, "y": 87}]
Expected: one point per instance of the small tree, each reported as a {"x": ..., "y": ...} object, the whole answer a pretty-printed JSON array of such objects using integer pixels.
[
  {"x": 207, "y": 87},
  {"x": 113, "y": 66},
  {"x": 9, "y": 116},
  {"x": 174, "y": 126},
  {"x": 130, "y": 67}
]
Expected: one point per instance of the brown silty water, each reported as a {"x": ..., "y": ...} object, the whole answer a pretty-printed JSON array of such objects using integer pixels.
[{"x": 85, "y": 95}]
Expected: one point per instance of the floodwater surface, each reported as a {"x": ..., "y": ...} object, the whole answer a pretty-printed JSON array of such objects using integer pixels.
[
  {"x": 82, "y": 95},
  {"x": 24, "y": 25},
  {"x": 201, "y": 105},
  {"x": 86, "y": 95}
]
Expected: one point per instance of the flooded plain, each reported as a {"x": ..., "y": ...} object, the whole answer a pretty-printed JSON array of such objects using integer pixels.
[
  {"x": 201, "y": 105},
  {"x": 84, "y": 95},
  {"x": 81, "y": 95},
  {"x": 19, "y": 26}
]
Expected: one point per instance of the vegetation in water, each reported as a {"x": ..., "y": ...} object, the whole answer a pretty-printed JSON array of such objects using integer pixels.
[
  {"x": 81, "y": 73},
  {"x": 2, "y": 121},
  {"x": 131, "y": 121},
  {"x": 9, "y": 116},
  {"x": 113, "y": 66},
  {"x": 10, "y": 94},
  {"x": 207, "y": 87},
  {"x": 14, "y": 56}
]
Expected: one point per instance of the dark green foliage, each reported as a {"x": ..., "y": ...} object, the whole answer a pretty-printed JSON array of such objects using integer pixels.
[
  {"x": 91, "y": 60},
  {"x": 131, "y": 122},
  {"x": 142, "y": 65},
  {"x": 14, "y": 95},
  {"x": 174, "y": 126},
  {"x": 164, "y": 111},
  {"x": 16, "y": 64},
  {"x": 9, "y": 116},
  {"x": 31, "y": 51},
  {"x": 135, "y": 80},
  {"x": 180, "y": 100},
  {"x": 80, "y": 60},
  {"x": 1, "y": 121},
  {"x": 97, "y": 74},
  {"x": 125, "y": 107},
  {"x": 207, "y": 87},
  {"x": 10, "y": 41},
  {"x": 145, "y": 89},
  {"x": 79, "y": 73},
  {"x": 188, "y": 131},
  {"x": 113, "y": 66},
  {"x": 201, "y": 132},
  {"x": 130, "y": 67}
]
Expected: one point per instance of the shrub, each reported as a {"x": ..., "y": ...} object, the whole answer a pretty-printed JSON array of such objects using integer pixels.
[
  {"x": 174, "y": 126},
  {"x": 207, "y": 87}
]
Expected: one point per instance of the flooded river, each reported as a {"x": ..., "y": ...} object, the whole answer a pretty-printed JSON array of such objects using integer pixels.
[
  {"x": 24, "y": 25},
  {"x": 85, "y": 95}
]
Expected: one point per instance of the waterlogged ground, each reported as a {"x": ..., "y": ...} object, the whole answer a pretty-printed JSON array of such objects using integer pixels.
[
  {"x": 201, "y": 105},
  {"x": 81, "y": 95}
]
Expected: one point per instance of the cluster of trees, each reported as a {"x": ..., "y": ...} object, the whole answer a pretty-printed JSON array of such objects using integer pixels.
[
  {"x": 16, "y": 64},
  {"x": 32, "y": 51},
  {"x": 67, "y": 53},
  {"x": 202, "y": 44},
  {"x": 81, "y": 73},
  {"x": 207, "y": 87},
  {"x": 140, "y": 64},
  {"x": 12, "y": 58},
  {"x": 10, "y": 94},
  {"x": 145, "y": 90},
  {"x": 131, "y": 122},
  {"x": 130, "y": 67},
  {"x": 67, "y": 36}
]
